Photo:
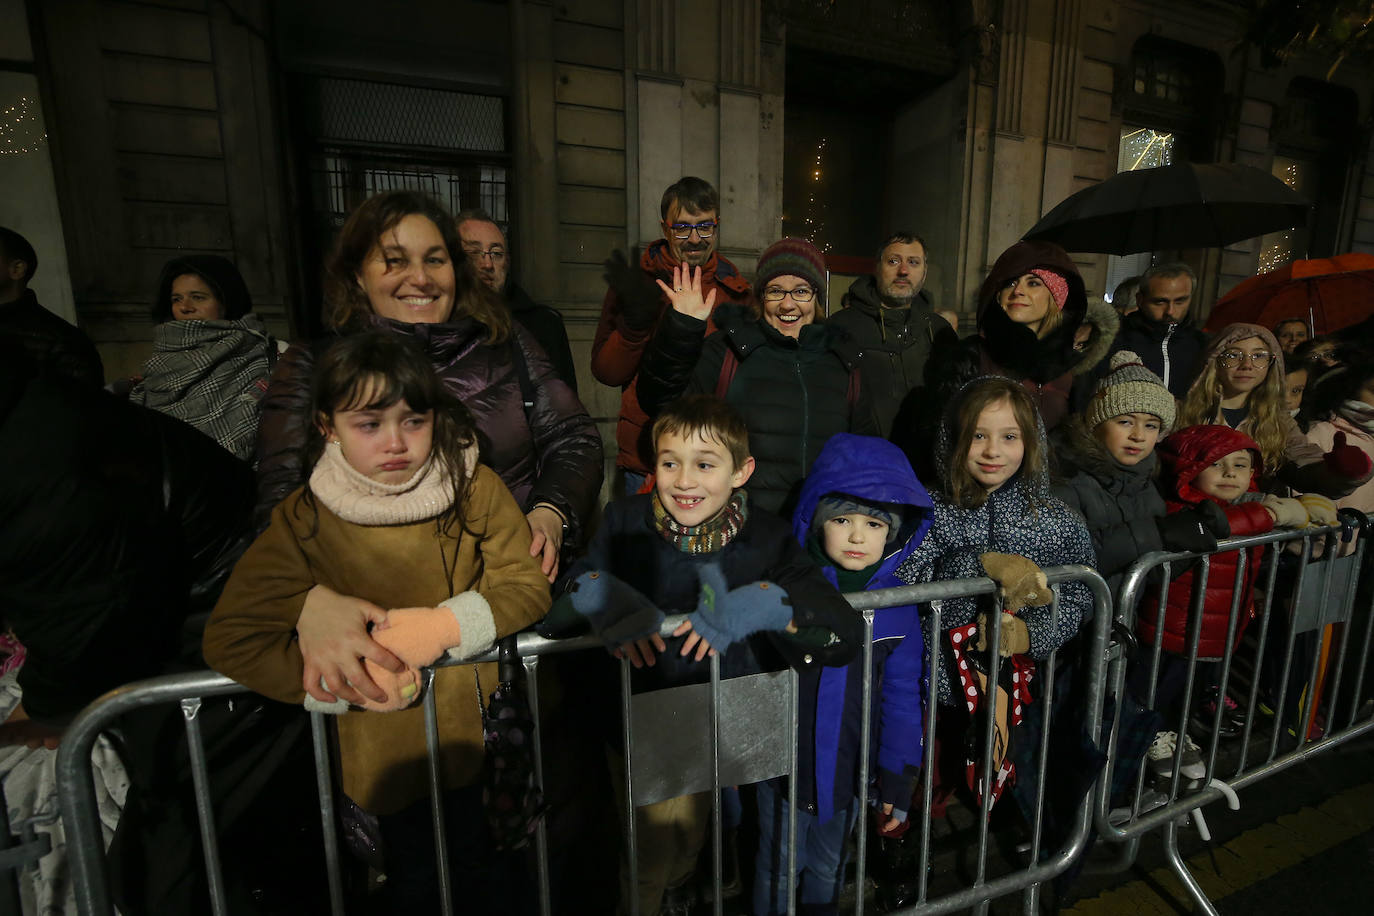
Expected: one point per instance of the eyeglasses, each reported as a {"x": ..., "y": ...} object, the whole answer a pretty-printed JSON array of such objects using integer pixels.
[
  {"x": 683, "y": 231},
  {"x": 800, "y": 294},
  {"x": 496, "y": 253},
  {"x": 1232, "y": 358}
]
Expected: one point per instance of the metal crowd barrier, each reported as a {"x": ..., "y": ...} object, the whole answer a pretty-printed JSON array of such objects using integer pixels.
[
  {"x": 729, "y": 761},
  {"x": 1317, "y": 594}
]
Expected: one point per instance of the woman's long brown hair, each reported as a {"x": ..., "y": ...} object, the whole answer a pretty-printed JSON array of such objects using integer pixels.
[
  {"x": 346, "y": 304},
  {"x": 1265, "y": 404}
]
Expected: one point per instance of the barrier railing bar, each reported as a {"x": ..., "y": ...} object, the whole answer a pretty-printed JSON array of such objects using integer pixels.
[
  {"x": 541, "y": 832},
  {"x": 205, "y": 814},
  {"x": 1227, "y": 654},
  {"x": 989, "y": 708},
  {"x": 1032, "y": 895},
  {"x": 1364, "y": 654},
  {"x": 865, "y": 743},
  {"x": 928, "y": 764},
  {"x": 79, "y": 811},
  {"x": 1309, "y": 705},
  {"x": 632, "y": 850},
  {"x": 717, "y": 905},
  {"x": 794, "y": 707},
  {"x": 1265, "y": 623},
  {"x": 319, "y": 742},
  {"x": 1280, "y": 709},
  {"x": 436, "y": 789},
  {"x": 1196, "y": 604},
  {"x": 1180, "y": 868},
  {"x": 1347, "y": 600},
  {"x": 1156, "y": 658}
]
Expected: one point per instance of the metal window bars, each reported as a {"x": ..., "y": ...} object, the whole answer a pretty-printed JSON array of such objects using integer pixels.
[{"x": 714, "y": 708}]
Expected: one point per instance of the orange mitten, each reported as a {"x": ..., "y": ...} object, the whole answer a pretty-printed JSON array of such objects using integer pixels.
[{"x": 417, "y": 636}]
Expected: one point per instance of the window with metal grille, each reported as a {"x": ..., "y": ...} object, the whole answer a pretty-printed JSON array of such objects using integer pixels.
[{"x": 361, "y": 137}]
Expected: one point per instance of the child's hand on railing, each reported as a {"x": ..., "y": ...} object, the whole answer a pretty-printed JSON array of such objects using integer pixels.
[
  {"x": 619, "y": 614},
  {"x": 1287, "y": 513},
  {"x": 1022, "y": 583},
  {"x": 1320, "y": 509}
]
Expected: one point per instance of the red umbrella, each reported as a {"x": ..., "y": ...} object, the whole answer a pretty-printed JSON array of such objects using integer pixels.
[{"x": 1329, "y": 293}]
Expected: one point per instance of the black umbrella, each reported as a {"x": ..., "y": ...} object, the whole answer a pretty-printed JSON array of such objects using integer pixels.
[{"x": 1184, "y": 205}]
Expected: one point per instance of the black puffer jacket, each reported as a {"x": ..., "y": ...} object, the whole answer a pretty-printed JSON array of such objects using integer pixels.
[
  {"x": 895, "y": 345},
  {"x": 545, "y": 325},
  {"x": 548, "y": 453},
  {"x": 794, "y": 393},
  {"x": 1120, "y": 504},
  {"x": 121, "y": 524},
  {"x": 50, "y": 342},
  {"x": 1171, "y": 351}
]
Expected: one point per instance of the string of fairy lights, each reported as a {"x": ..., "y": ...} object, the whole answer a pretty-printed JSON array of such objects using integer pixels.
[
  {"x": 815, "y": 214},
  {"x": 20, "y": 130}
]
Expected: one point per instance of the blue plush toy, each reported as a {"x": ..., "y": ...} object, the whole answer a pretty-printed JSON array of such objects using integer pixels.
[
  {"x": 724, "y": 617},
  {"x": 617, "y": 611}
]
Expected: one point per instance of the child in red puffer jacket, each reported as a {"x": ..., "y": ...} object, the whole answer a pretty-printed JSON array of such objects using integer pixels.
[{"x": 1219, "y": 466}]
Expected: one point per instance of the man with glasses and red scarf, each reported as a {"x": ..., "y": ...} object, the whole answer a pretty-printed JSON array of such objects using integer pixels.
[{"x": 634, "y": 302}]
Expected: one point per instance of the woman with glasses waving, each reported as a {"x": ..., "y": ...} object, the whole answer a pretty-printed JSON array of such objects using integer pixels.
[
  {"x": 793, "y": 377},
  {"x": 1241, "y": 386}
]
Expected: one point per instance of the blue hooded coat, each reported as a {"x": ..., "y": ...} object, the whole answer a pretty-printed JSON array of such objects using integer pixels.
[{"x": 872, "y": 470}]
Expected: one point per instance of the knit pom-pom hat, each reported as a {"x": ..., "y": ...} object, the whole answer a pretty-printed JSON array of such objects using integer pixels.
[
  {"x": 1129, "y": 387},
  {"x": 792, "y": 257},
  {"x": 834, "y": 505}
]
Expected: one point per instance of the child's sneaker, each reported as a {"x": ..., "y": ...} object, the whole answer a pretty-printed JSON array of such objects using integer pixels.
[
  {"x": 1232, "y": 717},
  {"x": 1161, "y": 756}
]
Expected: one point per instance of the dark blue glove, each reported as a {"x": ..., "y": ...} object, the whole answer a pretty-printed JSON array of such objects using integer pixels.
[
  {"x": 724, "y": 617},
  {"x": 618, "y": 612}
]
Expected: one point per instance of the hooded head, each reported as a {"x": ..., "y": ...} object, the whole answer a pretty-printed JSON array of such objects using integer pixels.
[
  {"x": 219, "y": 274},
  {"x": 866, "y": 470},
  {"x": 1055, "y": 268},
  {"x": 1188, "y": 452}
]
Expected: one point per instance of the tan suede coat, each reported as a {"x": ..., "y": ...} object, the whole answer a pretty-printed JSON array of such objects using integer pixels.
[{"x": 251, "y": 634}]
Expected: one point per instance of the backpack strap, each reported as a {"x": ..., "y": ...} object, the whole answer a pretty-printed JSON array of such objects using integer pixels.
[{"x": 728, "y": 367}]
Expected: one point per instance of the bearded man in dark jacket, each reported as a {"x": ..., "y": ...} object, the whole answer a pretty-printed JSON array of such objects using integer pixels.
[
  {"x": 891, "y": 319},
  {"x": 1160, "y": 331}
]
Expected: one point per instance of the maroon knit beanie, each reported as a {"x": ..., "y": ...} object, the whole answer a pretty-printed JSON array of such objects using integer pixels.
[{"x": 792, "y": 257}]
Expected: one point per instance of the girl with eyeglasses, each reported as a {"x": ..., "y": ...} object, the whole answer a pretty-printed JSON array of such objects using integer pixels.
[{"x": 1241, "y": 385}]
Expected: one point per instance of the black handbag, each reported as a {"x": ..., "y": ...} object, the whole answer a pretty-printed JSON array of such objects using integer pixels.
[{"x": 514, "y": 803}]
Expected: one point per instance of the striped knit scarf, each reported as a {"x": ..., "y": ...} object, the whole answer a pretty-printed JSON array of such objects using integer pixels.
[{"x": 711, "y": 535}]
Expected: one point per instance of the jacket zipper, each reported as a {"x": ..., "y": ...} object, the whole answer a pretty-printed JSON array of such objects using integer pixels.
[
  {"x": 1164, "y": 350},
  {"x": 806, "y": 411}
]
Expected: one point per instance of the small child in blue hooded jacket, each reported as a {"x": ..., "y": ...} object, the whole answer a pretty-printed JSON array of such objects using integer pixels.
[{"x": 860, "y": 515}]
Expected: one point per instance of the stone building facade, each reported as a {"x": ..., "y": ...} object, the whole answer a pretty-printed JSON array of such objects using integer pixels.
[{"x": 249, "y": 127}]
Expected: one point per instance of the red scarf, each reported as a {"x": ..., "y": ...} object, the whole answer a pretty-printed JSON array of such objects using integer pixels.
[{"x": 657, "y": 259}]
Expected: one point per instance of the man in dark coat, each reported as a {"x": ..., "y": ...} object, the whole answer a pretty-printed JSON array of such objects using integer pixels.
[
  {"x": 890, "y": 316},
  {"x": 485, "y": 245},
  {"x": 1168, "y": 343},
  {"x": 51, "y": 342},
  {"x": 690, "y": 210}
]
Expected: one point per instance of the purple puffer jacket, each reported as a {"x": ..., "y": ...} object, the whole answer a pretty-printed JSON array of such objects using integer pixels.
[{"x": 552, "y": 454}]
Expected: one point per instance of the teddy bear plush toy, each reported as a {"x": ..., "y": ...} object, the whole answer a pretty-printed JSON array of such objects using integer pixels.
[{"x": 1021, "y": 584}]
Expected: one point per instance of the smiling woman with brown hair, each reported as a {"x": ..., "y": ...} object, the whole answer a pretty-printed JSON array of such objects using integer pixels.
[
  {"x": 398, "y": 267},
  {"x": 1241, "y": 385}
]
